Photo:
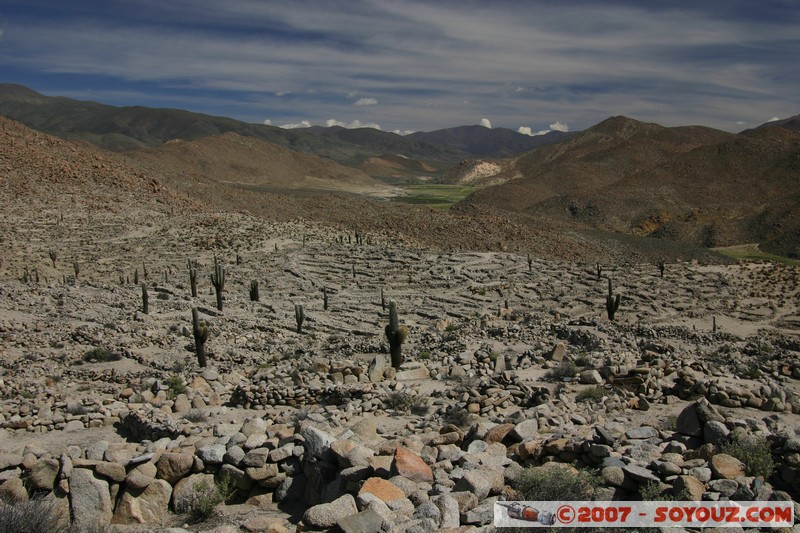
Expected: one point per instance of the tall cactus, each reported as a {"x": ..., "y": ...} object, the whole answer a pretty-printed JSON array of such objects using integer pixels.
[
  {"x": 325, "y": 298},
  {"x": 612, "y": 302},
  {"x": 254, "y": 296},
  {"x": 218, "y": 281},
  {"x": 661, "y": 267},
  {"x": 145, "y": 300},
  {"x": 200, "y": 331},
  {"x": 193, "y": 276},
  {"x": 396, "y": 335},
  {"x": 299, "y": 316}
]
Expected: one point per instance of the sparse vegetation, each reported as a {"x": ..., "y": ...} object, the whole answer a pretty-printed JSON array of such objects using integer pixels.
[
  {"x": 754, "y": 452},
  {"x": 175, "y": 386},
  {"x": 38, "y": 515},
  {"x": 101, "y": 355},
  {"x": 557, "y": 484},
  {"x": 208, "y": 497},
  {"x": 407, "y": 403},
  {"x": 565, "y": 369},
  {"x": 591, "y": 394}
]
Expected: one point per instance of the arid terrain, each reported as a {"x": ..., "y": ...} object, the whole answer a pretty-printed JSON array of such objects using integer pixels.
[{"x": 513, "y": 369}]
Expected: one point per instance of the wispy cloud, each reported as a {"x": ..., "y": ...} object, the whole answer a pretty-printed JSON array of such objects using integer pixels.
[{"x": 429, "y": 64}]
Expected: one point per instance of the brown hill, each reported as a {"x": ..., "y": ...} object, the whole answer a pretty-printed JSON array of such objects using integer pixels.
[
  {"x": 40, "y": 172},
  {"x": 689, "y": 184},
  {"x": 252, "y": 163}
]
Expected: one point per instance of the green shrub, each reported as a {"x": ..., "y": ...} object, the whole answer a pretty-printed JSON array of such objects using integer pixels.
[
  {"x": 652, "y": 491},
  {"x": 557, "y": 482},
  {"x": 206, "y": 498},
  {"x": 754, "y": 452},
  {"x": 591, "y": 394},
  {"x": 175, "y": 386},
  {"x": 101, "y": 355},
  {"x": 456, "y": 416},
  {"x": 406, "y": 403},
  {"x": 583, "y": 360},
  {"x": 565, "y": 369},
  {"x": 38, "y": 515},
  {"x": 196, "y": 415}
]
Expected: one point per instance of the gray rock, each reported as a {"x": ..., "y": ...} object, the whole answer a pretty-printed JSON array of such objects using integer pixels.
[
  {"x": 212, "y": 454},
  {"x": 367, "y": 521},
  {"x": 89, "y": 500},
  {"x": 640, "y": 474},
  {"x": 326, "y": 515},
  {"x": 254, "y": 426},
  {"x": 376, "y": 368},
  {"x": 558, "y": 352},
  {"x": 141, "y": 476},
  {"x": 726, "y": 487},
  {"x": 527, "y": 429},
  {"x": 233, "y": 455},
  {"x": 42, "y": 475},
  {"x": 448, "y": 509},
  {"x": 291, "y": 488},
  {"x": 590, "y": 377},
  {"x": 318, "y": 443},
  {"x": 644, "y": 432},
  {"x": 702, "y": 473},
  {"x": 481, "y": 515},
  {"x": 149, "y": 506},
  {"x": 715, "y": 432}
]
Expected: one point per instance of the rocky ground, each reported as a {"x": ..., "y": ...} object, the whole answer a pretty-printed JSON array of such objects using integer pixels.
[{"x": 512, "y": 367}]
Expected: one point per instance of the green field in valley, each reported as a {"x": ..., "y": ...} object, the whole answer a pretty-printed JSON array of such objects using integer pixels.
[{"x": 435, "y": 196}]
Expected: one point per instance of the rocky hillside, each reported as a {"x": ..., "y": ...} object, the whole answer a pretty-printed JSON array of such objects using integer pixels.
[
  {"x": 689, "y": 184},
  {"x": 250, "y": 162}
]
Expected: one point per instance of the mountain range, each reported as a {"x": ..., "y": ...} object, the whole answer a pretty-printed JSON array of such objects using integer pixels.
[{"x": 621, "y": 189}]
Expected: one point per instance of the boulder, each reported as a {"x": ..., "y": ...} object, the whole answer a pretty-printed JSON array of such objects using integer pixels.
[
  {"x": 326, "y": 515},
  {"x": 172, "y": 467},
  {"x": 724, "y": 466},
  {"x": 410, "y": 465},
  {"x": 89, "y": 501},
  {"x": 148, "y": 506}
]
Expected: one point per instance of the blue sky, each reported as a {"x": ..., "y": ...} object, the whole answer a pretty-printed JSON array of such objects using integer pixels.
[{"x": 405, "y": 65}]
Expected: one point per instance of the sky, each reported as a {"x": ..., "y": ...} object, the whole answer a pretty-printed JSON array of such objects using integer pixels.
[{"x": 406, "y": 65}]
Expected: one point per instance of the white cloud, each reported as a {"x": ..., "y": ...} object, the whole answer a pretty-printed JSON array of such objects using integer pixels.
[
  {"x": 366, "y": 101},
  {"x": 351, "y": 125},
  {"x": 773, "y": 119},
  {"x": 556, "y": 126},
  {"x": 291, "y": 126},
  {"x": 267, "y": 122},
  {"x": 740, "y": 122},
  {"x": 403, "y": 132},
  {"x": 486, "y": 123}
]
